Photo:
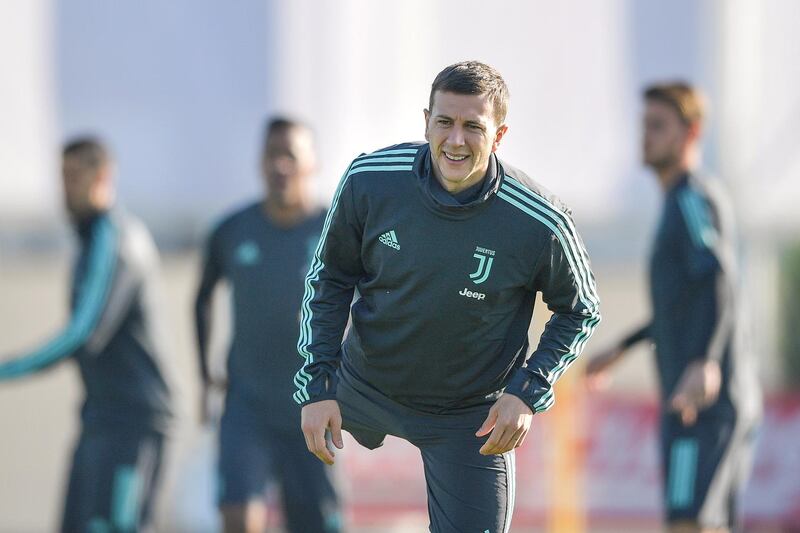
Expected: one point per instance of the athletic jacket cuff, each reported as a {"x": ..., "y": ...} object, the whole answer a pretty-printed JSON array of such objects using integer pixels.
[
  {"x": 531, "y": 388},
  {"x": 323, "y": 388},
  {"x": 319, "y": 398}
]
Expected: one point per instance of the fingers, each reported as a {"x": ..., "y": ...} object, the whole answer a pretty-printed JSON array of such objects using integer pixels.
[
  {"x": 597, "y": 381},
  {"x": 685, "y": 407},
  {"x": 689, "y": 416},
  {"x": 488, "y": 424},
  {"x": 508, "y": 420},
  {"x": 321, "y": 447},
  {"x": 515, "y": 440},
  {"x": 504, "y": 440},
  {"x": 309, "y": 440},
  {"x": 315, "y": 442},
  {"x": 519, "y": 437},
  {"x": 493, "y": 445},
  {"x": 315, "y": 418},
  {"x": 336, "y": 431}
]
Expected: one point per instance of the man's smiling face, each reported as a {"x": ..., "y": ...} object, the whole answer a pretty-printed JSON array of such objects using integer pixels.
[{"x": 463, "y": 133}]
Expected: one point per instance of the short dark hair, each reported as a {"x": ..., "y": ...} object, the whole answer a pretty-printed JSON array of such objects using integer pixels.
[
  {"x": 90, "y": 151},
  {"x": 687, "y": 100},
  {"x": 281, "y": 123},
  {"x": 473, "y": 77}
]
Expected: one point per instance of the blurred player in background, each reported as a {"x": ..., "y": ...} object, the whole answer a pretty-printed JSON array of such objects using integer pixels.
[
  {"x": 116, "y": 335},
  {"x": 447, "y": 246},
  {"x": 263, "y": 252},
  {"x": 710, "y": 396}
]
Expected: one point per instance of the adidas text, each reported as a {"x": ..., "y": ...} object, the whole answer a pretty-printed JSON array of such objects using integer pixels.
[
  {"x": 469, "y": 294},
  {"x": 386, "y": 239}
]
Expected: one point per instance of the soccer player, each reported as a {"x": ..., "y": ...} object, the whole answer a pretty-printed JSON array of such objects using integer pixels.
[
  {"x": 116, "y": 335},
  {"x": 447, "y": 246},
  {"x": 710, "y": 396},
  {"x": 263, "y": 252}
]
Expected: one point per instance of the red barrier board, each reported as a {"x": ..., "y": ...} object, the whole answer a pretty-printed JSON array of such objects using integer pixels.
[{"x": 615, "y": 451}]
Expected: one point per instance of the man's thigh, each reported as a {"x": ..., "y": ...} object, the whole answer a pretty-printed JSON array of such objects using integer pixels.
[
  {"x": 703, "y": 470},
  {"x": 113, "y": 479},
  {"x": 244, "y": 457},
  {"x": 309, "y": 497},
  {"x": 366, "y": 414},
  {"x": 467, "y": 491}
]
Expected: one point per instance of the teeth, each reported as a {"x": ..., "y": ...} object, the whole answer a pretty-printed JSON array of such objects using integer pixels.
[{"x": 455, "y": 157}]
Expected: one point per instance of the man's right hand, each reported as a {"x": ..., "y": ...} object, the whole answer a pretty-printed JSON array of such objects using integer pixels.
[
  {"x": 315, "y": 418},
  {"x": 597, "y": 367}
]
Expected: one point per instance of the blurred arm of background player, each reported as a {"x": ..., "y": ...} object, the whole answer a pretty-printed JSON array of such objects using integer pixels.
[
  {"x": 598, "y": 366},
  {"x": 202, "y": 314},
  {"x": 101, "y": 303},
  {"x": 698, "y": 387},
  {"x": 94, "y": 319}
]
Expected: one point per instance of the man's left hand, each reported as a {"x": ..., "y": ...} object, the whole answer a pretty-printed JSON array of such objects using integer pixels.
[
  {"x": 509, "y": 420},
  {"x": 697, "y": 389}
]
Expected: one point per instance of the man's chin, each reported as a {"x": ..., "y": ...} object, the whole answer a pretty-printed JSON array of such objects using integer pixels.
[
  {"x": 454, "y": 180},
  {"x": 77, "y": 216},
  {"x": 456, "y": 175}
]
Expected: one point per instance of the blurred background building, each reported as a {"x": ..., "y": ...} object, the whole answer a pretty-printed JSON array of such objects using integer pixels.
[{"x": 181, "y": 90}]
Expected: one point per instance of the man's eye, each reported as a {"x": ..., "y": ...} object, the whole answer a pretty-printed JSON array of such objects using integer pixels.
[{"x": 443, "y": 122}]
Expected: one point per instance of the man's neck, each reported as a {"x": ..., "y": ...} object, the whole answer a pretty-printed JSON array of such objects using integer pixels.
[
  {"x": 668, "y": 177},
  {"x": 286, "y": 214}
]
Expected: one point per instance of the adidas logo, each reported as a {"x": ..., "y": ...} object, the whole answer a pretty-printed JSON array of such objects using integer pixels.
[{"x": 390, "y": 239}]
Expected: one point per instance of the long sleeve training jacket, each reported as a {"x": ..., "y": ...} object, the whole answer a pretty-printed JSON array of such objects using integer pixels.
[
  {"x": 694, "y": 295},
  {"x": 116, "y": 332},
  {"x": 445, "y": 292}
]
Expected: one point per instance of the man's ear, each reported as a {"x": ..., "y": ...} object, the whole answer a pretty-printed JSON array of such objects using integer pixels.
[
  {"x": 102, "y": 191},
  {"x": 693, "y": 131},
  {"x": 498, "y": 136},
  {"x": 427, "y": 115}
]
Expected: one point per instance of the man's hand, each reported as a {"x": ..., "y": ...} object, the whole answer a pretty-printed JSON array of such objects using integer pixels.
[
  {"x": 315, "y": 418},
  {"x": 597, "y": 367},
  {"x": 509, "y": 420},
  {"x": 698, "y": 388}
]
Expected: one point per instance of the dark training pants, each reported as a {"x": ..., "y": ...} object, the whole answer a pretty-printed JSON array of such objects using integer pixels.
[
  {"x": 252, "y": 453},
  {"x": 467, "y": 492},
  {"x": 112, "y": 482},
  {"x": 705, "y": 469}
]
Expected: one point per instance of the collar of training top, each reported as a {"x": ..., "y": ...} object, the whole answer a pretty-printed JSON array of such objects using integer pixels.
[
  {"x": 84, "y": 225},
  {"x": 423, "y": 169}
]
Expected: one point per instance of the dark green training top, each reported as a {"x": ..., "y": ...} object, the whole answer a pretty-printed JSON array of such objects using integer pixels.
[
  {"x": 116, "y": 331},
  {"x": 445, "y": 289},
  {"x": 265, "y": 265},
  {"x": 693, "y": 288}
]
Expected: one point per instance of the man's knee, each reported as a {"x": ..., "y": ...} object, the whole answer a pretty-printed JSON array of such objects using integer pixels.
[{"x": 244, "y": 518}]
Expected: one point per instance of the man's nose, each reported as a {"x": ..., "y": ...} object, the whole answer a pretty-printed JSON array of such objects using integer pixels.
[
  {"x": 283, "y": 165},
  {"x": 456, "y": 136}
]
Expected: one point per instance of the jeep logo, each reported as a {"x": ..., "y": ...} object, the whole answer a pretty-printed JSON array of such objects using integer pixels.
[{"x": 469, "y": 294}]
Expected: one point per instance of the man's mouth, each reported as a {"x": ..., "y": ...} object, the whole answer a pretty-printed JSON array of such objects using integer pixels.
[{"x": 455, "y": 157}]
